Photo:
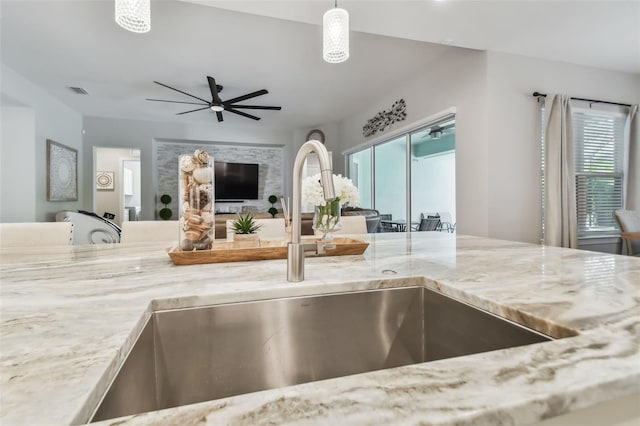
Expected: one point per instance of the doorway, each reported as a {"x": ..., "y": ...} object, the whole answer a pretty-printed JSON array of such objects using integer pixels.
[{"x": 117, "y": 190}]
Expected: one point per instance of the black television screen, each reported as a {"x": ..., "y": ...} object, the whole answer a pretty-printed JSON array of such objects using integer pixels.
[{"x": 236, "y": 181}]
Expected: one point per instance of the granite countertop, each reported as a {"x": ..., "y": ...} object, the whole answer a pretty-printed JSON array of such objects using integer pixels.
[{"x": 70, "y": 314}]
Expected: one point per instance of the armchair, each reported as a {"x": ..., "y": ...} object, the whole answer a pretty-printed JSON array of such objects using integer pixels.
[{"x": 629, "y": 222}]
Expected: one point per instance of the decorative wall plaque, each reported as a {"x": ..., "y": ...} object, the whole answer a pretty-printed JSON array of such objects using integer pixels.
[
  {"x": 62, "y": 172},
  {"x": 384, "y": 119},
  {"x": 104, "y": 180}
]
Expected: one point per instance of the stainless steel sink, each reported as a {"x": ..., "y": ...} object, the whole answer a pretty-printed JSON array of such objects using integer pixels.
[{"x": 198, "y": 354}]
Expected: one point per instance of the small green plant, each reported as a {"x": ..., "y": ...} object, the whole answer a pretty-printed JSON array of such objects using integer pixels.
[
  {"x": 245, "y": 224},
  {"x": 272, "y": 210},
  {"x": 166, "y": 212}
]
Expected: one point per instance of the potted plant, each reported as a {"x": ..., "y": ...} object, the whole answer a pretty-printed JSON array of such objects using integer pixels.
[
  {"x": 245, "y": 228},
  {"x": 165, "y": 213},
  {"x": 272, "y": 210}
]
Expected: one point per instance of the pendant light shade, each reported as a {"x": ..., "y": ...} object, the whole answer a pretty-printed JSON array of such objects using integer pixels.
[
  {"x": 335, "y": 26},
  {"x": 134, "y": 15}
]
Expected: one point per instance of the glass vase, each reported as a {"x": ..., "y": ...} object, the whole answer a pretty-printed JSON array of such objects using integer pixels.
[
  {"x": 326, "y": 219},
  {"x": 196, "y": 203}
]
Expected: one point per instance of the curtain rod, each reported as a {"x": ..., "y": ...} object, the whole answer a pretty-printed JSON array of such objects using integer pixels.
[{"x": 595, "y": 101}]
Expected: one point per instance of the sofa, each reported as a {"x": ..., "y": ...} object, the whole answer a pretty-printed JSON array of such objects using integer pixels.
[{"x": 372, "y": 216}]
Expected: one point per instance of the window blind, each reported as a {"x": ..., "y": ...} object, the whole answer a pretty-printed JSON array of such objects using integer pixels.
[{"x": 598, "y": 154}]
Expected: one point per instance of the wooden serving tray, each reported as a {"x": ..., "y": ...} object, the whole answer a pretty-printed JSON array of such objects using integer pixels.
[{"x": 268, "y": 249}]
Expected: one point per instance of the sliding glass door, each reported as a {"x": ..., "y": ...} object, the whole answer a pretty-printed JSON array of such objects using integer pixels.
[
  {"x": 409, "y": 177},
  {"x": 433, "y": 173},
  {"x": 390, "y": 178},
  {"x": 359, "y": 171}
]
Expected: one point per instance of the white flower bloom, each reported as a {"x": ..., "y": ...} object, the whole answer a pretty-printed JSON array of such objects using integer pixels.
[{"x": 345, "y": 191}]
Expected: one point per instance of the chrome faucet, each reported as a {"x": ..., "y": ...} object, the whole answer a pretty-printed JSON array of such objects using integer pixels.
[{"x": 296, "y": 250}]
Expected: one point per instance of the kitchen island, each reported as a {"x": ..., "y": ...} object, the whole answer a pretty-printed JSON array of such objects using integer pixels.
[{"x": 69, "y": 316}]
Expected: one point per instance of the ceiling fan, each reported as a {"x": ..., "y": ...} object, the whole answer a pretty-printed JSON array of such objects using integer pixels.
[
  {"x": 216, "y": 104},
  {"x": 436, "y": 131}
]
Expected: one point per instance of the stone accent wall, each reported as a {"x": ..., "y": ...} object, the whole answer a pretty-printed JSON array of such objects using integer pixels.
[{"x": 270, "y": 179}]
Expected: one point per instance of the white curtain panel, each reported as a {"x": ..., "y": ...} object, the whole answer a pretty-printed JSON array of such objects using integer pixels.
[
  {"x": 560, "y": 221},
  {"x": 631, "y": 184}
]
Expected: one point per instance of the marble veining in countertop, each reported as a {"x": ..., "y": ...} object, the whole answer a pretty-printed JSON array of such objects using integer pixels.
[{"x": 69, "y": 315}]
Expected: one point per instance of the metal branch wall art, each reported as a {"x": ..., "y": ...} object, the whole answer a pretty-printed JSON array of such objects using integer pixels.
[{"x": 384, "y": 119}]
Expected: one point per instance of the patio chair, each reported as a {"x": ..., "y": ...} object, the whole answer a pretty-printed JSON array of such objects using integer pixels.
[
  {"x": 385, "y": 227},
  {"x": 429, "y": 223},
  {"x": 447, "y": 223}
]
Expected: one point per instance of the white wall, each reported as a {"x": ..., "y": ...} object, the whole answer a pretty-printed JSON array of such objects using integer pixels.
[
  {"x": 52, "y": 120},
  {"x": 17, "y": 178},
  {"x": 497, "y": 129},
  {"x": 112, "y": 201},
  {"x": 514, "y": 123},
  {"x": 458, "y": 80},
  {"x": 331, "y": 142},
  {"x": 117, "y": 133}
]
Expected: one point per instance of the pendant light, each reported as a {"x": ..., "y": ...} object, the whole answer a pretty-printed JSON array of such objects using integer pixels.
[
  {"x": 134, "y": 15},
  {"x": 335, "y": 30}
]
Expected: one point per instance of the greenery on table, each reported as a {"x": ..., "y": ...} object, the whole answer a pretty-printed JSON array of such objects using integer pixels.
[{"x": 245, "y": 224}]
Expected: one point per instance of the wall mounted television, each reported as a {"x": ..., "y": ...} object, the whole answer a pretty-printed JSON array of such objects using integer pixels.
[{"x": 236, "y": 181}]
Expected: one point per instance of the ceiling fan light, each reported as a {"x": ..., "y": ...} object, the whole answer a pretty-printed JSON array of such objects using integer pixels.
[
  {"x": 335, "y": 26},
  {"x": 217, "y": 108},
  {"x": 435, "y": 133},
  {"x": 134, "y": 15}
]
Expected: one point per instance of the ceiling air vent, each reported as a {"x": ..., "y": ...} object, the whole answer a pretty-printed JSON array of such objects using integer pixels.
[{"x": 78, "y": 90}]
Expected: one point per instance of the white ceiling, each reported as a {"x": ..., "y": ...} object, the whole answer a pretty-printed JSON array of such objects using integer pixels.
[
  {"x": 597, "y": 33},
  {"x": 77, "y": 43}
]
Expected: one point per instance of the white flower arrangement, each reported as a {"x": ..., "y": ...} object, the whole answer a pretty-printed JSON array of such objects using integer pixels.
[{"x": 345, "y": 190}]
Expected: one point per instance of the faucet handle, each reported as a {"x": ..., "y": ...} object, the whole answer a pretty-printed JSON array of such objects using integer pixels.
[
  {"x": 318, "y": 247},
  {"x": 324, "y": 246},
  {"x": 311, "y": 246}
]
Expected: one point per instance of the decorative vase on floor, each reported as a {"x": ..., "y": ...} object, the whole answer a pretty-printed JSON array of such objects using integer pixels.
[{"x": 326, "y": 219}]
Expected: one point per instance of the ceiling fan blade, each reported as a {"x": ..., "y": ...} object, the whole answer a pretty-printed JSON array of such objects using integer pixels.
[
  {"x": 193, "y": 110},
  {"x": 219, "y": 114},
  {"x": 180, "y": 91},
  {"x": 176, "y": 102},
  {"x": 214, "y": 91},
  {"x": 245, "y": 97},
  {"x": 275, "y": 108},
  {"x": 244, "y": 114}
]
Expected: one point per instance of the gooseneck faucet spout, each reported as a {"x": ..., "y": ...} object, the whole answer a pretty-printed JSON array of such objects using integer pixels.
[{"x": 296, "y": 249}]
